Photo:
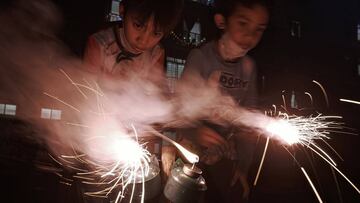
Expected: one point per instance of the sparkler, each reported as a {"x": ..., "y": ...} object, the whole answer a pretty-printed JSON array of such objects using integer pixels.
[
  {"x": 112, "y": 160},
  {"x": 304, "y": 131},
  {"x": 125, "y": 162}
]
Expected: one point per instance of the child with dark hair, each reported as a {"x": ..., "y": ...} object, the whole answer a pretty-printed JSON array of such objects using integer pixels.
[
  {"x": 132, "y": 47},
  {"x": 133, "y": 44},
  {"x": 224, "y": 62}
]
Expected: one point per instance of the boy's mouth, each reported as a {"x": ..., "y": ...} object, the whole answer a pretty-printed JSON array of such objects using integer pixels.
[{"x": 135, "y": 50}]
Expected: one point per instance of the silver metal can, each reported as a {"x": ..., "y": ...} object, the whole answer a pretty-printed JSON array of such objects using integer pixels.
[{"x": 185, "y": 185}]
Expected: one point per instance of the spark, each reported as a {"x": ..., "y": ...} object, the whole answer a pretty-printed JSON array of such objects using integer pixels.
[
  {"x": 61, "y": 101},
  {"x": 262, "y": 161},
  {"x": 311, "y": 99},
  {"x": 323, "y": 152},
  {"x": 126, "y": 163},
  {"x": 77, "y": 125},
  {"x": 324, "y": 92},
  {"x": 72, "y": 82},
  {"x": 333, "y": 166},
  {"x": 283, "y": 98},
  {"x": 333, "y": 150},
  {"x": 112, "y": 160},
  {"x": 65, "y": 183},
  {"x": 350, "y": 101},
  {"x": 304, "y": 131},
  {"x": 191, "y": 157},
  {"x": 312, "y": 185}
]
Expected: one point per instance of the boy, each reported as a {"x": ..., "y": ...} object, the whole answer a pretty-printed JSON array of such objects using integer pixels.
[
  {"x": 133, "y": 44},
  {"x": 224, "y": 62},
  {"x": 132, "y": 48}
]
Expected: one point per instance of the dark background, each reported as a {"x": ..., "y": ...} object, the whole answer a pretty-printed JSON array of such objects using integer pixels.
[{"x": 327, "y": 51}]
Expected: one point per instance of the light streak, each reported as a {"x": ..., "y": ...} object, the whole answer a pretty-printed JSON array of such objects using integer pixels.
[
  {"x": 323, "y": 152},
  {"x": 283, "y": 98},
  {"x": 117, "y": 161},
  {"x": 191, "y": 157},
  {"x": 333, "y": 150},
  {"x": 304, "y": 131},
  {"x": 300, "y": 130},
  {"x": 61, "y": 101},
  {"x": 72, "y": 82},
  {"x": 262, "y": 161},
  {"x": 312, "y": 185},
  {"x": 127, "y": 161},
  {"x": 337, "y": 185},
  {"x": 65, "y": 183},
  {"x": 333, "y": 166},
  {"x": 324, "y": 92},
  {"x": 311, "y": 98},
  {"x": 350, "y": 101}
]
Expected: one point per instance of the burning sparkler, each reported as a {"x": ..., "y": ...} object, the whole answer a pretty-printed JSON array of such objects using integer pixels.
[
  {"x": 125, "y": 162},
  {"x": 113, "y": 160},
  {"x": 304, "y": 131}
]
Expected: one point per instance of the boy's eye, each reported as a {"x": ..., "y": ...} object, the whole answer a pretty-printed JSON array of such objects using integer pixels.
[
  {"x": 158, "y": 34},
  {"x": 137, "y": 25},
  {"x": 242, "y": 23},
  {"x": 261, "y": 29}
]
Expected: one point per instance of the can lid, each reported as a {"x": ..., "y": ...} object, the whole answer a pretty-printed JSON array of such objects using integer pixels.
[{"x": 192, "y": 170}]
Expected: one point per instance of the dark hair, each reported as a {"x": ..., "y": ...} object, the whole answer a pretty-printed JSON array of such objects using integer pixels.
[
  {"x": 227, "y": 7},
  {"x": 166, "y": 12}
]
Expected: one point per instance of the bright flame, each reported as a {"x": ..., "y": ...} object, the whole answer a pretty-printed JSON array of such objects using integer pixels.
[
  {"x": 284, "y": 130},
  {"x": 302, "y": 130},
  {"x": 127, "y": 151},
  {"x": 117, "y": 161},
  {"x": 191, "y": 157}
]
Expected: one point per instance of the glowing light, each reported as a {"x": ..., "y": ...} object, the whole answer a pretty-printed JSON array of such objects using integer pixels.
[
  {"x": 350, "y": 101},
  {"x": 127, "y": 151},
  {"x": 285, "y": 131},
  {"x": 191, "y": 157},
  {"x": 302, "y": 130},
  {"x": 262, "y": 161},
  {"x": 124, "y": 162},
  {"x": 324, "y": 92},
  {"x": 312, "y": 185}
]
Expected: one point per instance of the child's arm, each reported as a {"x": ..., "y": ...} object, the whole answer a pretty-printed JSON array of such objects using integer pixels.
[{"x": 168, "y": 156}]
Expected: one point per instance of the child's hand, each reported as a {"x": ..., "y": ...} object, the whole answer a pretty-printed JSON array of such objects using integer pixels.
[
  {"x": 206, "y": 137},
  {"x": 217, "y": 146},
  {"x": 239, "y": 175},
  {"x": 168, "y": 154}
]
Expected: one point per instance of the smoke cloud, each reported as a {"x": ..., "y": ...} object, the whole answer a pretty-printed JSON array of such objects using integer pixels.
[{"x": 38, "y": 71}]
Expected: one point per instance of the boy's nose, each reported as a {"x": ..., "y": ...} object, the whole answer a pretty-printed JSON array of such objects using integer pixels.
[{"x": 143, "y": 39}]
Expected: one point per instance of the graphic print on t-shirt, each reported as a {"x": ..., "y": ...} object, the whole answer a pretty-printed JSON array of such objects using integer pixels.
[{"x": 228, "y": 80}]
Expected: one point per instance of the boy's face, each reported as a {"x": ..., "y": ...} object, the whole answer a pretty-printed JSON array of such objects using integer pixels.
[
  {"x": 141, "y": 36},
  {"x": 246, "y": 26}
]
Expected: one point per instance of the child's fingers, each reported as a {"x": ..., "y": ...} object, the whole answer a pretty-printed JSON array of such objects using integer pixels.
[{"x": 210, "y": 135}]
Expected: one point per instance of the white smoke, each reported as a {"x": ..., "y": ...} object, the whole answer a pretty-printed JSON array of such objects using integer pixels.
[{"x": 37, "y": 70}]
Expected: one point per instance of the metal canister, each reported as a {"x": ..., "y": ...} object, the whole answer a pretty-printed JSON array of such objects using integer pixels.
[
  {"x": 152, "y": 184},
  {"x": 185, "y": 185}
]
